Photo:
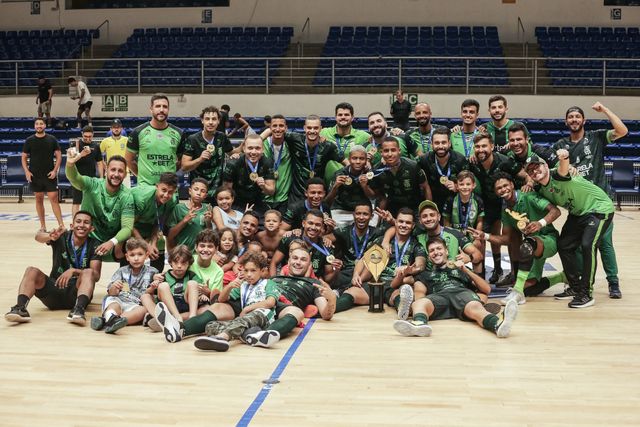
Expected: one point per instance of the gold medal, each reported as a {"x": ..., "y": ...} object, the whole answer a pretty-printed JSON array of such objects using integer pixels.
[
  {"x": 125, "y": 287},
  {"x": 211, "y": 148},
  {"x": 451, "y": 264},
  {"x": 312, "y": 174},
  {"x": 330, "y": 259},
  {"x": 444, "y": 180},
  {"x": 253, "y": 176},
  {"x": 372, "y": 150},
  {"x": 522, "y": 225},
  {"x": 348, "y": 180},
  {"x": 275, "y": 174},
  {"x": 370, "y": 175}
]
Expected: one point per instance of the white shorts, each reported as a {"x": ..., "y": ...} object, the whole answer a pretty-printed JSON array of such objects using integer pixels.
[{"x": 124, "y": 305}]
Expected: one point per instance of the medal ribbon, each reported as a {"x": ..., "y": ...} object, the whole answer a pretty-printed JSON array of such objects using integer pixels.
[
  {"x": 312, "y": 164},
  {"x": 254, "y": 169},
  {"x": 360, "y": 250},
  {"x": 322, "y": 249},
  {"x": 276, "y": 163},
  {"x": 396, "y": 250},
  {"x": 440, "y": 170},
  {"x": 425, "y": 151},
  {"x": 75, "y": 261},
  {"x": 467, "y": 150},
  {"x": 308, "y": 207}
]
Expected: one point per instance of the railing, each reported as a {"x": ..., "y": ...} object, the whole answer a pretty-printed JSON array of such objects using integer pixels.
[
  {"x": 304, "y": 33},
  {"x": 106, "y": 21},
  {"x": 522, "y": 38},
  {"x": 334, "y": 74}
]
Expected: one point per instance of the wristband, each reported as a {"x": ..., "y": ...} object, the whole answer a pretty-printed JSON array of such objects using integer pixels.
[
  {"x": 542, "y": 222},
  {"x": 114, "y": 241},
  {"x": 486, "y": 236}
]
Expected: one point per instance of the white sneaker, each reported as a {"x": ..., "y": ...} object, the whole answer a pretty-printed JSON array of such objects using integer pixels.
[
  {"x": 516, "y": 296},
  {"x": 406, "y": 298},
  {"x": 412, "y": 329},
  {"x": 508, "y": 316},
  {"x": 263, "y": 338},
  {"x": 171, "y": 326}
]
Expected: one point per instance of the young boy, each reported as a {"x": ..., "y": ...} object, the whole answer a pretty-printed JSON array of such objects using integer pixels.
[
  {"x": 124, "y": 304},
  {"x": 205, "y": 267},
  {"x": 75, "y": 271},
  {"x": 189, "y": 219},
  {"x": 272, "y": 234},
  {"x": 255, "y": 298}
]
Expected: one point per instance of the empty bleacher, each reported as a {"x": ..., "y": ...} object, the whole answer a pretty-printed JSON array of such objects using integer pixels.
[{"x": 432, "y": 49}]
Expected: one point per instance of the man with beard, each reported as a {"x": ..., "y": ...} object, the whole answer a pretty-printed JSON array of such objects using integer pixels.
[
  {"x": 250, "y": 176},
  {"x": 109, "y": 203},
  {"x": 310, "y": 156},
  {"x": 378, "y": 130},
  {"x": 420, "y": 136},
  {"x": 441, "y": 166},
  {"x": 204, "y": 151},
  {"x": 325, "y": 265},
  {"x": 521, "y": 148},
  {"x": 499, "y": 124},
  {"x": 399, "y": 181},
  {"x": 154, "y": 147},
  {"x": 586, "y": 154},
  {"x": 278, "y": 152},
  {"x": 462, "y": 136},
  {"x": 539, "y": 237},
  {"x": 400, "y": 111},
  {"x": 314, "y": 199},
  {"x": 590, "y": 215},
  {"x": 343, "y": 134},
  {"x": 89, "y": 163},
  {"x": 75, "y": 271},
  {"x": 115, "y": 144},
  {"x": 486, "y": 165}
]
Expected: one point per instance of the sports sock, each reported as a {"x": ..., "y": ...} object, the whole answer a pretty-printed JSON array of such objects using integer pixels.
[
  {"x": 198, "y": 324},
  {"x": 559, "y": 277},
  {"x": 521, "y": 278},
  {"x": 109, "y": 314},
  {"x": 82, "y": 301},
  {"x": 23, "y": 300},
  {"x": 396, "y": 302},
  {"x": 515, "y": 267},
  {"x": 496, "y": 263},
  {"x": 490, "y": 322},
  {"x": 538, "y": 288},
  {"x": 284, "y": 325},
  {"x": 345, "y": 302},
  {"x": 421, "y": 317}
]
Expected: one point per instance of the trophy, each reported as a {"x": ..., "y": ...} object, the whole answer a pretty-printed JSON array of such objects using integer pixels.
[
  {"x": 521, "y": 219},
  {"x": 375, "y": 260}
]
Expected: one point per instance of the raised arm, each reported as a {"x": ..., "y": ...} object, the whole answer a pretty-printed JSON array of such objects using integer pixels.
[{"x": 619, "y": 128}]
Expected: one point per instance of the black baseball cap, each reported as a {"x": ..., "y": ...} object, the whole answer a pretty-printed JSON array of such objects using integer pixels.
[
  {"x": 116, "y": 122},
  {"x": 534, "y": 159}
]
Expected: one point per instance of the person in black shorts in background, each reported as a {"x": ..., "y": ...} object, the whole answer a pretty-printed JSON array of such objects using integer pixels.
[
  {"x": 400, "y": 111},
  {"x": 91, "y": 158},
  {"x": 41, "y": 172},
  {"x": 44, "y": 98}
]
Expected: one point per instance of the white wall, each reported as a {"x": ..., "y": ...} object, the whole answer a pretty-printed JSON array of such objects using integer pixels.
[
  {"x": 528, "y": 106},
  {"x": 324, "y": 13}
]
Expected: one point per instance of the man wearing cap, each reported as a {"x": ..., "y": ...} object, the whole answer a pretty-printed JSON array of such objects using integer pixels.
[
  {"x": 116, "y": 144},
  {"x": 590, "y": 215},
  {"x": 586, "y": 154}
]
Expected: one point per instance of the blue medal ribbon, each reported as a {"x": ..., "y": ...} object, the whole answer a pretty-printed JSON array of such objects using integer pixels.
[
  {"x": 464, "y": 219},
  {"x": 422, "y": 140},
  {"x": 322, "y": 249},
  {"x": 75, "y": 261},
  {"x": 396, "y": 249},
  {"x": 341, "y": 149},
  {"x": 312, "y": 163},
  {"x": 380, "y": 171},
  {"x": 440, "y": 170},
  {"x": 360, "y": 250},
  {"x": 308, "y": 208},
  {"x": 254, "y": 169},
  {"x": 467, "y": 150},
  {"x": 276, "y": 162}
]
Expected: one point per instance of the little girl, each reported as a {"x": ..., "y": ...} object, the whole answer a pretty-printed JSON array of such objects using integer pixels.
[
  {"x": 227, "y": 255},
  {"x": 223, "y": 214}
]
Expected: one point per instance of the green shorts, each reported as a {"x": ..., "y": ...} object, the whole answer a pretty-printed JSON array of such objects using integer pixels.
[
  {"x": 448, "y": 305},
  {"x": 550, "y": 242},
  {"x": 55, "y": 298}
]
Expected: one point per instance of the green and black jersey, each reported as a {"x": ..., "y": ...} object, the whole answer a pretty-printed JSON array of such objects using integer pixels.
[
  {"x": 348, "y": 195},
  {"x": 281, "y": 158},
  {"x": 158, "y": 150},
  {"x": 401, "y": 255},
  {"x": 532, "y": 204},
  {"x": 344, "y": 143},
  {"x": 190, "y": 231},
  {"x": 66, "y": 255},
  {"x": 211, "y": 169},
  {"x": 501, "y": 163},
  {"x": 434, "y": 172},
  {"x": 418, "y": 143},
  {"x": 463, "y": 215},
  {"x": 455, "y": 240},
  {"x": 298, "y": 290},
  {"x": 237, "y": 172},
  {"x": 587, "y": 155},
  {"x": 445, "y": 279},
  {"x": 462, "y": 142},
  {"x": 500, "y": 135},
  {"x": 179, "y": 286},
  {"x": 350, "y": 247},
  {"x": 402, "y": 187},
  {"x": 148, "y": 212},
  {"x": 575, "y": 194},
  {"x": 296, "y": 212},
  {"x": 318, "y": 259},
  {"x": 546, "y": 154}
]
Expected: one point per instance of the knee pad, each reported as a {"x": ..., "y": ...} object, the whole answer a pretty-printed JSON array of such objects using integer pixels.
[{"x": 527, "y": 249}]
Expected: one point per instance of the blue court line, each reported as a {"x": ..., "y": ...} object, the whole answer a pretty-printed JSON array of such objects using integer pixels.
[{"x": 264, "y": 392}]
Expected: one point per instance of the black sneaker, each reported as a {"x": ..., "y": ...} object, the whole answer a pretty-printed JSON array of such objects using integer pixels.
[
  {"x": 568, "y": 293},
  {"x": 538, "y": 288},
  {"x": 77, "y": 316},
  {"x": 211, "y": 344},
  {"x": 507, "y": 281},
  {"x": 97, "y": 323},
  {"x": 114, "y": 324},
  {"x": 581, "y": 301},
  {"x": 614, "y": 290},
  {"x": 18, "y": 314},
  {"x": 145, "y": 320},
  {"x": 495, "y": 276},
  {"x": 493, "y": 308}
]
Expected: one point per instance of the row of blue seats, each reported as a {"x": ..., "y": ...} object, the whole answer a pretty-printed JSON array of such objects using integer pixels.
[
  {"x": 585, "y": 82},
  {"x": 49, "y": 34},
  {"x": 236, "y": 31},
  {"x": 410, "y": 81},
  {"x": 568, "y": 31},
  {"x": 412, "y": 51},
  {"x": 611, "y": 64},
  {"x": 209, "y": 51},
  {"x": 411, "y": 72},
  {"x": 412, "y": 62},
  {"x": 9, "y": 43},
  {"x": 136, "y": 40},
  {"x": 611, "y": 74},
  {"x": 423, "y": 32},
  {"x": 620, "y": 53}
]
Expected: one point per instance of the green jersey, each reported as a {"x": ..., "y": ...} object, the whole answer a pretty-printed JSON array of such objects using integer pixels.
[
  {"x": 158, "y": 150},
  {"x": 299, "y": 291},
  {"x": 66, "y": 255},
  {"x": 350, "y": 247},
  {"x": 401, "y": 255},
  {"x": 250, "y": 294},
  {"x": 211, "y": 169},
  {"x": 188, "y": 234},
  {"x": 148, "y": 212},
  {"x": 462, "y": 142},
  {"x": 179, "y": 286},
  {"x": 444, "y": 279},
  {"x": 113, "y": 214},
  {"x": 344, "y": 143},
  {"x": 211, "y": 275},
  {"x": 531, "y": 204},
  {"x": 587, "y": 155},
  {"x": 402, "y": 187},
  {"x": 463, "y": 215},
  {"x": 420, "y": 143},
  {"x": 485, "y": 176},
  {"x": 238, "y": 172},
  {"x": 375, "y": 149},
  {"x": 454, "y": 239},
  {"x": 281, "y": 158},
  {"x": 575, "y": 194}
]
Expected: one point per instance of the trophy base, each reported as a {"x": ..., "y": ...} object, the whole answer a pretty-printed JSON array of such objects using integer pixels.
[{"x": 376, "y": 297}]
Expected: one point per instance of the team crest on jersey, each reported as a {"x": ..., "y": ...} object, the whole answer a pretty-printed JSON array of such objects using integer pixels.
[
  {"x": 407, "y": 183},
  {"x": 587, "y": 151}
]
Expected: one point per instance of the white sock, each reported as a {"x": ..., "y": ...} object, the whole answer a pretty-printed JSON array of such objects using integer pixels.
[{"x": 109, "y": 314}]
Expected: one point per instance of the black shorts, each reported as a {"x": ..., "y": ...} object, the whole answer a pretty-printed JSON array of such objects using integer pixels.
[
  {"x": 77, "y": 196},
  {"x": 183, "y": 305},
  {"x": 85, "y": 106},
  {"x": 43, "y": 184},
  {"x": 55, "y": 298},
  {"x": 492, "y": 213},
  {"x": 448, "y": 305}
]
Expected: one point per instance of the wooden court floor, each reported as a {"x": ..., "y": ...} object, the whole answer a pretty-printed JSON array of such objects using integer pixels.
[{"x": 560, "y": 367}]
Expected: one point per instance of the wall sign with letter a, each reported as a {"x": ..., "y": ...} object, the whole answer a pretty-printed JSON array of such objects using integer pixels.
[{"x": 114, "y": 103}]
